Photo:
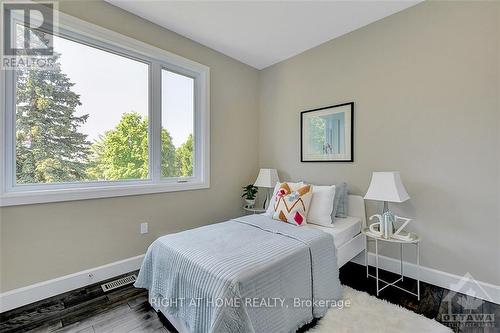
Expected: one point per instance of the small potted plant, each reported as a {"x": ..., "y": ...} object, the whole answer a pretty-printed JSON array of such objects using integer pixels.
[{"x": 249, "y": 193}]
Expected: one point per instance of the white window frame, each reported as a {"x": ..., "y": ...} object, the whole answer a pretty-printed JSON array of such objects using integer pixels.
[{"x": 158, "y": 59}]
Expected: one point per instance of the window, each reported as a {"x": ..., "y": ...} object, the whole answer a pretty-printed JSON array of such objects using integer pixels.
[
  {"x": 113, "y": 117},
  {"x": 85, "y": 120},
  {"x": 177, "y": 97}
]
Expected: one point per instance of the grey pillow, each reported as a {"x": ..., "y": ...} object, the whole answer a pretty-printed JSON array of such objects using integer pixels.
[{"x": 340, "y": 201}]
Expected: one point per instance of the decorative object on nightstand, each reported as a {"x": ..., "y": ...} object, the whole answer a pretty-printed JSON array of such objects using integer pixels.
[
  {"x": 387, "y": 187},
  {"x": 267, "y": 178},
  {"x": 385, "y": 230},
  {"x": 413, "y": 239},
  {"x": 249, "y": 193}
]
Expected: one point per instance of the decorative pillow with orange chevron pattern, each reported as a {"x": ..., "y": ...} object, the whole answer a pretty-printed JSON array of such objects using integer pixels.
[{"x": 292, "y": 206}]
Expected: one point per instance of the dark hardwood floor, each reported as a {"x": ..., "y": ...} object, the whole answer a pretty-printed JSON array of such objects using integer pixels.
[
  {"x": 433, "y": 302},
  {"x": 90, "y": 310},
  {"x": 86, "y": 310}
]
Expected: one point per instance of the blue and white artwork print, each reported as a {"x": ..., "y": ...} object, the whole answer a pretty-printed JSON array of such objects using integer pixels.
[{"x": 327, "y": 134}]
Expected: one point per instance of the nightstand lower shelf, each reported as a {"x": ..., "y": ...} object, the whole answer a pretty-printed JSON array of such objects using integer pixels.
[
  {"x": 401, "y": 277},
  {"x": 393, "y": 284}
]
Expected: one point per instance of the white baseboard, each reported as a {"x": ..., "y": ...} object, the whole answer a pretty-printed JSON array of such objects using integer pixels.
[
  {"x": 463, "y": 284},
  {"x": 18, "y": 297}
]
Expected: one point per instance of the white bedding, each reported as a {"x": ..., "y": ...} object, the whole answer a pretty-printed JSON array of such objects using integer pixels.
[{"x": 343, "y": 229}]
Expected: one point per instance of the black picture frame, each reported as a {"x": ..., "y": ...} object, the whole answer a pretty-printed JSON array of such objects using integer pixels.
[{"x": 351, "y": 159}]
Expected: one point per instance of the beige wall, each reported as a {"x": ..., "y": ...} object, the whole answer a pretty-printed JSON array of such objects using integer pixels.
[
  {"x": 425, "y": 83},
  {"x": 40, "y": 242}
]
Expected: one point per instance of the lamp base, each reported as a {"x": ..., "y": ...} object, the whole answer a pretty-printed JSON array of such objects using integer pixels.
[
  {"x": 266, "y": 200},
  {"x": 388, "y": 219}
]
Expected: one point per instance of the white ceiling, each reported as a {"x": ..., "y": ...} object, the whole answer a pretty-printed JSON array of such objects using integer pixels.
[{"x": 262, "y": 33}]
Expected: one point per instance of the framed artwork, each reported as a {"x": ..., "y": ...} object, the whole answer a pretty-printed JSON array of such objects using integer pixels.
[{"x": 327, "y": 134}]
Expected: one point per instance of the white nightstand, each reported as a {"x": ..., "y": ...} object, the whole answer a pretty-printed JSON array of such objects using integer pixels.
[
  {"x": 255, "y": 210},
  {"x": 414, "y": 240}
]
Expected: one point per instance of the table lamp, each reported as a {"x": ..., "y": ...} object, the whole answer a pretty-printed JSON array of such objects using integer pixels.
[
  {"x": 267, "y": 178},
  {"x": 387, "y": 187}
]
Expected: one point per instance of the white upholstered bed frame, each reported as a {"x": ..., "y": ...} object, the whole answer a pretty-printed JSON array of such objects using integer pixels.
[{"x": 347, "y": 251}]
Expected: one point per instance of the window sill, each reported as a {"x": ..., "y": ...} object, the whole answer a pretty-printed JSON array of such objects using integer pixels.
[{"x": 16, "y": 198}]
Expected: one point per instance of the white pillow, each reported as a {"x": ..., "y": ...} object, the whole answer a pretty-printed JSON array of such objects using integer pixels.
[
  {"x": 272, "y": 201},
  {"x": 320, "y": 211}
]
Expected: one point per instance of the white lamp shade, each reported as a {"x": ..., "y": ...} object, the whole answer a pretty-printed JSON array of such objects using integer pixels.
[
  {"x": 267, "y": 178},
  {"x": 387, "y": 186}
]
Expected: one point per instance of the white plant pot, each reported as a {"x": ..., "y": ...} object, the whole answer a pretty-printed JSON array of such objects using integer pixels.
[{"x": 250, "y": 203}]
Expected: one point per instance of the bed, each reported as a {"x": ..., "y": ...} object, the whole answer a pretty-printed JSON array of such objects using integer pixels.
[
  {"x": 346, "y": 232},
  {"x": 214, "y": 284}
]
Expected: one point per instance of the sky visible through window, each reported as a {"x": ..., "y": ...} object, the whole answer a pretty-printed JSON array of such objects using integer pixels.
[
  {"x": 110, "y": 85},
  {"x": 177, "y": 105}
]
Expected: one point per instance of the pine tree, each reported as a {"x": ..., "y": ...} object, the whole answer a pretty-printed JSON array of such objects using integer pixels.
[{"x": 49, "y": 147}]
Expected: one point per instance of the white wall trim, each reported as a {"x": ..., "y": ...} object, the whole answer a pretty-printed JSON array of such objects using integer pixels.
[
  {"x": 18, "y": 297},
  {"x": 462, "y": 284}
]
